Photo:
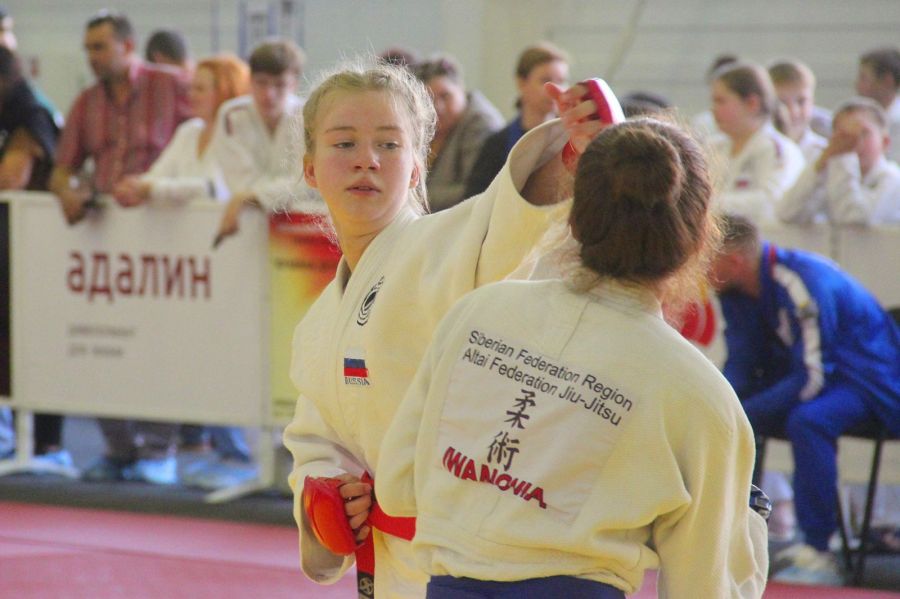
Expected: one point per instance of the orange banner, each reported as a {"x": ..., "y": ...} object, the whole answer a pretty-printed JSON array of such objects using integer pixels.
[{"x": 303, "y": 258}]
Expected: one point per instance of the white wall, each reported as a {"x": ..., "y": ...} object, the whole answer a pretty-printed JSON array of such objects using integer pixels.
[{"x": 672, "y": 44}]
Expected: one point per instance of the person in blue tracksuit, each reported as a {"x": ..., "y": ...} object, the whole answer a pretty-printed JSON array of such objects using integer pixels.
[{"x": 811, "y": 354}]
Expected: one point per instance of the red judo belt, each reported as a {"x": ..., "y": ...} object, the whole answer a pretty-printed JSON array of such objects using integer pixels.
[{"x": 325, "y": 514}]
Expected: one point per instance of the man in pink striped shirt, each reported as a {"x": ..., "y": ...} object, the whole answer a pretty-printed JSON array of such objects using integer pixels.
[{"x": 123, "y": 121}]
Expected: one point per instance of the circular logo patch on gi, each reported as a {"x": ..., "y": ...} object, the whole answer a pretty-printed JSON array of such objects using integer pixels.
[{"x": 365, "y": 310}]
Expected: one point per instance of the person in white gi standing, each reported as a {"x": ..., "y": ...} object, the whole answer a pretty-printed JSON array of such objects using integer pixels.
[
  {"x": 367, "y": 132},
  {"x": 560, "y": 438}
]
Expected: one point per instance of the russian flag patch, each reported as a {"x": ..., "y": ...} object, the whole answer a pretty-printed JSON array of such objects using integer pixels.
[{"x": 355, "y": 371}]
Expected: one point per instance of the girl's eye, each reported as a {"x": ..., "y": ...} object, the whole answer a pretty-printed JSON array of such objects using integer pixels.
[
  {"x": 342, "y": 145},
  {"x": 390, "y": 145}
]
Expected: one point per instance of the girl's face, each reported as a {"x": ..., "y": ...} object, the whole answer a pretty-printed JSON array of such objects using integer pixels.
[
  {"x": 531, "y": 88},
  {"x": 733, "y": 114},
  {"x": 202, "y": 95},
  {"x": 362, "y": 162}
]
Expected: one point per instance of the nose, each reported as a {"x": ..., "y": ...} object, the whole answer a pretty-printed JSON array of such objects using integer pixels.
[{"x": 367, "y": 159}]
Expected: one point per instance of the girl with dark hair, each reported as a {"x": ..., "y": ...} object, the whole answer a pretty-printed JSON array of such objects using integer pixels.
[{"x": 560, "y": 438}]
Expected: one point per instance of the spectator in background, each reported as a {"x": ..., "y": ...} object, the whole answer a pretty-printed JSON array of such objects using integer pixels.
[
  {"x": 123, "y": 121},
  {"x": 28, "y": 136},
  {"x": 644, "y": 103},
  {"x": 703, "y": 124},
  {"x": 878, "y": 78},
  {"x": 168, "y": 46},
  {"x": 400, "y": 57},
  {"x": 28, "y": 133},
  {"x": 187, "y": 169},
  {"x": 8, "y": 40},
  {"x": 7, "y": 36},
  {"x": 795, "y": 87},
  {"x": 851, "y": 182},
  {"x": 757, "y": 164},
  {"x": 811, "y": 354},
  {"x": 464, "y": 121},
  {"x": 257, "y": 139},
  {"x": 536, "y": 66}
]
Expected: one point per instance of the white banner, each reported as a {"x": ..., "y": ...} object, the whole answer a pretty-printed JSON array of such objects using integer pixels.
[{"x": 130, "y": 313}]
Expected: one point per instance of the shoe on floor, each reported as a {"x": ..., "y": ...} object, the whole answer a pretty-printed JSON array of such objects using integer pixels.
[
  {"x": 157, "y": 471},
  {"x": 54, "y": 459},
  {"x": 221, "y": 474},
  {"x": 105, "y": 469},
  {"x": 807, "y": 565}
]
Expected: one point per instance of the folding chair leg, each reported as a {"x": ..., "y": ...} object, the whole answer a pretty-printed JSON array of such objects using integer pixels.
[
  {"x": 760, "y": 464},
  {"x": 867, "y": 516},
  {"x": 846, "y": 551}
]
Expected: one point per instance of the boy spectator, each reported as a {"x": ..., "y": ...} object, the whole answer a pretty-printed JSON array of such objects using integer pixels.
[
  {"x": 851, "y": 182},
  {"x": 795, "y": 86},
  {"x": 257, "y": 139},
  {"x": 878, "y": 78},
  {"x": 811, "y": 354},
  {"x": 123, "y": 121}
]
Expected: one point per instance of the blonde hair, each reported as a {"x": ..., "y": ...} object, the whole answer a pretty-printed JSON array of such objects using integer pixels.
[
  {"x": 408, "y": 94},
  {"x": 866, "y": 106},
  {"x": 791, "y": 71}
]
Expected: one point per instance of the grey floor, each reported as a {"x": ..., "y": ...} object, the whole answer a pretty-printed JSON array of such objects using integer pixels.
[{"x": 82, "y": 438}]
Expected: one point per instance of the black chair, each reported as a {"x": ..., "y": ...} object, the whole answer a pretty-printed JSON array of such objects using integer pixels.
[{"x": 877, "y": 433}]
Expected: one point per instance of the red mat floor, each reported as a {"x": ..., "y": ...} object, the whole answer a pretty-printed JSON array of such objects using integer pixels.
[{"x": 49, "y": 552}]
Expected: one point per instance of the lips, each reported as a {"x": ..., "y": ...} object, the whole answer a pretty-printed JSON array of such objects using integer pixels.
[{"x": 364, "y": 187}]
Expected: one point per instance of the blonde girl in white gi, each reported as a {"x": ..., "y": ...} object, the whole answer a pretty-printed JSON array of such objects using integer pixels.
[
  {"x": 367, "y": 134},
  {"x": 560, "y": 438},
  {"x": 755, "y": 164}
]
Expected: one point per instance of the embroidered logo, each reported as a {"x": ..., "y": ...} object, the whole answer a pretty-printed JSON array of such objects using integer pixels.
[
  {"x": 365, "y": 310},
  {"x": 355, "y": 371}
]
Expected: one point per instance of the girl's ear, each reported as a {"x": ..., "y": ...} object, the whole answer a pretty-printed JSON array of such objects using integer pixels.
[
  {"x": 414, "y": 177},
  {"x": 309, "y": 172}
]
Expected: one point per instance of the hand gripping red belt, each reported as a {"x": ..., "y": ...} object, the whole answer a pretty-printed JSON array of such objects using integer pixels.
[
  {"x": 608, "y": 111},
  {"x": 324, "y": 509}
]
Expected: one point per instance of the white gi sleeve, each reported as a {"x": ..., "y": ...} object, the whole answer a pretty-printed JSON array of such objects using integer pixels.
[
  {"x": 317, "y": 451},
  {"x": 774, "y": 171},
  {"x": 805, "y": 199},
  {"x": 851, "y": 202},
  {"x": 715, "y": 545},
  {"x": 512, "y": 219},
  {"x": 168, "y": 184}
]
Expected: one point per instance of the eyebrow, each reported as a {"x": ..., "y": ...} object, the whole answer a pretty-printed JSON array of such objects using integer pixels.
[{"x": 352, "y": 128}]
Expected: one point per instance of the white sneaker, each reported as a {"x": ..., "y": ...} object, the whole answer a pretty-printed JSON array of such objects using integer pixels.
[
  {"x": 54, "y": 459},
  {"x": 807, "y": 565}
]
